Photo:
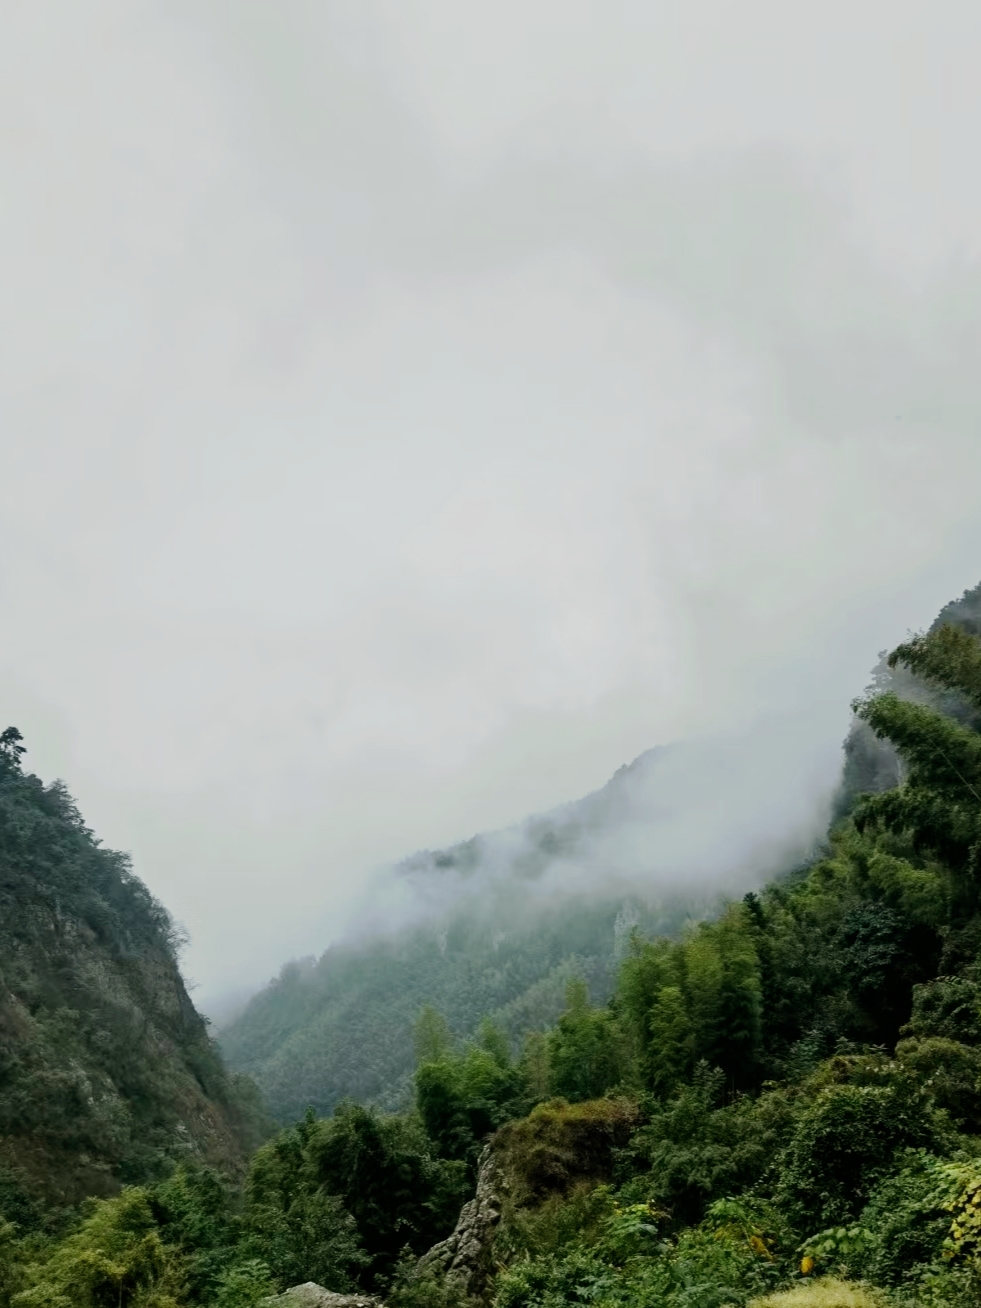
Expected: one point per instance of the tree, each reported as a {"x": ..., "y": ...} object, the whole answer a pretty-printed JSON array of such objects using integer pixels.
[
  {"x": 722, "y": 984},
  {"x": 948, "y": 657},
  {"x": 463, "y": 1097},
  {"x": 338, "y": 1199},
  {"x": 116, "y": 1257},
  {"x": 844, "y": 1143},
  {"x": 431, "y": 1036},
  {"x": 295, "y": 1225},
  {"x": 11, "y": 749},
  {"x": 672, "y": 1042},
  {"x": 938, "y": 807},
  {"x": 587, "y": 1051}
]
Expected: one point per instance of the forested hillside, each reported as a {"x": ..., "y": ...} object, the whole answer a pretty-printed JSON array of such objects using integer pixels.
[
  {"x": 107, "y": 1072},
  {"x": 342, "y": 1027},
  {"x": 778, "y": 1106},
  {"x": 509, "y": 916}
]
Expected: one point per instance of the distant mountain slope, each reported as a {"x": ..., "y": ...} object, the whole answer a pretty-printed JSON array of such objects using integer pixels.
[
  {"x": 500, "y": 922},
  {"x": 342, "y": 1027},
  {"x": 106, "y": 1069}
]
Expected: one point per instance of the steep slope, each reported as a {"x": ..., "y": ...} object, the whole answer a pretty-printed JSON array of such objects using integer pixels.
[{"x": 106, "y": 1069}]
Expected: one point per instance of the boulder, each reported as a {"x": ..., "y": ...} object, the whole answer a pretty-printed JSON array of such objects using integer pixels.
[{"x": 311, "y": 1295}]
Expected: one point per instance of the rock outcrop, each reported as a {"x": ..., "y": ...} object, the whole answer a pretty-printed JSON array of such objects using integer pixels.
[
  {"x": 465, "y": 1256},
  {"x": 311, "y": 1295}
]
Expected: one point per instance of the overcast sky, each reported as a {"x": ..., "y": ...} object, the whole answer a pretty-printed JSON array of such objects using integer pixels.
[{"x": 412, "y": 410}]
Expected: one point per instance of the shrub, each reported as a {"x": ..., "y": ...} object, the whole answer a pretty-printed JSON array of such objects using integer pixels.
[
  {"x": 116, "y": 1256},
  {"x": 949, "y": 1007},
  {"x": 827, "y": 1292},
  {"x": 552, "y": 1226},
  {"x": 951, "y": 1072},
  {"x": 411, "y": 1287},
  {"x": 906, "y": 1217},
  {"x": 244, "y": 1286},
  {"x": 843, "y": 1145},
  {"x": 695, "y": 1148}
]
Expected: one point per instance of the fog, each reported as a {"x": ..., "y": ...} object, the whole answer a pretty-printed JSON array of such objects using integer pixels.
[
  {"x": 684, "y": 823},
  {"x": 412, "y": 413}
]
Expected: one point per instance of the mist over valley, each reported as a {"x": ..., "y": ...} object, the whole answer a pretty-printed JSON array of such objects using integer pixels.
[{"x": 498, "y": 925}]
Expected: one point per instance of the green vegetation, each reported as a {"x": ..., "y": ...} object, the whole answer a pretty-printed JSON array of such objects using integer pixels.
[
  {"x": 341, "y": 1027},
  {"x": 107, "y": 1073},
  {"x": 779, "y": 1107}
]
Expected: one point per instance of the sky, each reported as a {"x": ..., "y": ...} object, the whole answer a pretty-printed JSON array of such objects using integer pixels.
[{"x": 409, "y": 413}]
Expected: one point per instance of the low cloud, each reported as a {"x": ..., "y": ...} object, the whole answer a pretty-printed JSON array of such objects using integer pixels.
[{"x": 410, "y": 416}]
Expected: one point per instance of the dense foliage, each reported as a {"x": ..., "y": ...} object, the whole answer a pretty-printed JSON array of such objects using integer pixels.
[
  {"x": 342, "y": 1027},
  {"x": 779, "y": 1106}
]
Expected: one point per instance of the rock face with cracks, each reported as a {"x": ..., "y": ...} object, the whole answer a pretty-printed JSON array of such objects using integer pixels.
[{"x": 465, "y": 1256}]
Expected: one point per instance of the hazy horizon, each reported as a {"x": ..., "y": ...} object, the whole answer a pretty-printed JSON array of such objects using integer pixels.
[{"x": 412, "y": 414}]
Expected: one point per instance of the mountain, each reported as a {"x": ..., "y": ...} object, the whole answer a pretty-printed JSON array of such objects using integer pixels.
[
  {"x": 499, "y": 923},
  {"x": 777, "y": 1107},
  {"x": 107, "y": 1071}
]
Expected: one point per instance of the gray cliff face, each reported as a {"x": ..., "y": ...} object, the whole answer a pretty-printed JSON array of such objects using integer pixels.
[{"x": 465, "y": 1256}]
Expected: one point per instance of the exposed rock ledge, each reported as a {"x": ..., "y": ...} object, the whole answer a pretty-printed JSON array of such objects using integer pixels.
[
  {"x": 463, "y": 1257},
  {"x": 312, "y": 1295}
]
